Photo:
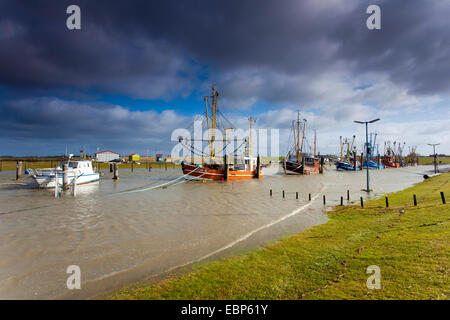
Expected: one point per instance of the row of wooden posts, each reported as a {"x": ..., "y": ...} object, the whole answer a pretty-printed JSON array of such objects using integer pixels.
[
  {"x": 114, "y": 168},
  {"x": 361, "y": 198}
]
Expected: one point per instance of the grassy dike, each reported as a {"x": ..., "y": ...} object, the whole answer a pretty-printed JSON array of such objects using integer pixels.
[{"x": 411, "y": 245}]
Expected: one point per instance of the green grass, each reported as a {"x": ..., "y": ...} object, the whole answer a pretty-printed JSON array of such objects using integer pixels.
[
  {"x": 411, "y": 245},
  {"x": 430, "y": 160}
]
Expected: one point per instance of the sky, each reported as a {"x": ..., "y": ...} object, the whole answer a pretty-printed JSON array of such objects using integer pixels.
[{"x": 137, "y": 70}]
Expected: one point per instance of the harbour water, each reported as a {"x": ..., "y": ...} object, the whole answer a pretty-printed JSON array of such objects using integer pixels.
[{"x": 123, "y": 231}]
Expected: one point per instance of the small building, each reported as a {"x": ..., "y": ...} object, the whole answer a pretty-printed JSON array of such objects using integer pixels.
[
  {"x": 159, "y": 158},
  {"x": 134, "y": 157},
  {"x": 106, "y": 156}
]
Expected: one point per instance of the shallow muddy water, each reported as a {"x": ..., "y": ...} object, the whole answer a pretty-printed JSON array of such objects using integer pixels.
[{"x": 122, "y": 231}]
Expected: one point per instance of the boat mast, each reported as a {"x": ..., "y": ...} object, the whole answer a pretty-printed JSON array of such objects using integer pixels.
[
  {"x": 207, "y": 122},
  {"x": 342, "y": 148},
  {"x": 315, "y": 143},
  {"x": 212, "y": 128},
  {"x": 349, "y": 151},
  {"x": 303, "y": 135},
  {"x": 251, "y": 119}
]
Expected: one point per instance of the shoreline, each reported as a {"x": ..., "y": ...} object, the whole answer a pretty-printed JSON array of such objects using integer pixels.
[{"x": 201, "y": 275}]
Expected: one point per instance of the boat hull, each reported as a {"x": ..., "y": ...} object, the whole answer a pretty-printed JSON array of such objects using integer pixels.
[
  {"x": 49, "y": 181},
  {"x": 389, "y": 162},
  {"x": 205, "y": 173},
  {"x": 373, "y": 165},
  {"x": 292, "y": 167},
  {"x": 345, "y": 166}
]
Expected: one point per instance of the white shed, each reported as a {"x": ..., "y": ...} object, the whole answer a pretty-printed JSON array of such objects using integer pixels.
[{"x": 106, "y": 156}]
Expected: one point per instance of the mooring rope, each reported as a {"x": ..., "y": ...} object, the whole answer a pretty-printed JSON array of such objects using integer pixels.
[{"x": 161, "y": 185}]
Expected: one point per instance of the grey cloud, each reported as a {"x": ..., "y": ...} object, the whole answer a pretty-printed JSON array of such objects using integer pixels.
[{"x": 64, "y": 121}]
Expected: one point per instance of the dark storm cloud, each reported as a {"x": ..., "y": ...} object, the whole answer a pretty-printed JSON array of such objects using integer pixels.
[
  {"x": 156, "y": 49},
  {"x": 64, "y": 121},
  {"x": 317, "y": 54}
]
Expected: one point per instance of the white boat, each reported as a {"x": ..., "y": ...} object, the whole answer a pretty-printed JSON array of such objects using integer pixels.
[{"x": 80, "y": 170}]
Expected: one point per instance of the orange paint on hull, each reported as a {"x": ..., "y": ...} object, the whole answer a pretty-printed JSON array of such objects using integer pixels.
[{"x": 216, "y": 174}]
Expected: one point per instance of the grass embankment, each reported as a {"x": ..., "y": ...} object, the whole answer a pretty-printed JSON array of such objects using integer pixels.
[
  {"x": 411, "y": 245},
  {"x": 430, "y": 160}
]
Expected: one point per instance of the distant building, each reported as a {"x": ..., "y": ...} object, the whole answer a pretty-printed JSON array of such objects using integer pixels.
[
  {"x": 106, "y": 156},
  {"x": 134, "y": 157}
]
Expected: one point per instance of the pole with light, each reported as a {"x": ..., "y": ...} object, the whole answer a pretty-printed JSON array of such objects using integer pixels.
[
  {"x": 434, "y": 155},
  {"x": 367, "y": 149}
]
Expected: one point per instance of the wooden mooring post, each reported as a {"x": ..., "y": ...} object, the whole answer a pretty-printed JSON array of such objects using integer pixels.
[
  {"x": 303, "y": 165},
  {"x": 362, "y": 202},
  {"x": 227, "y": 170},
  {"x": 322, "y": 161},
  {"x": 270, "y": 192},
  {"x": 56, "y": 185},
  {"x": 296, "y": 195},
  {"x": 310, "y": 197},
  {"x": 283, "y": 194},
  {"x": 442, "y": 197},
  {"x": 342, "y": 201},
  {"x": 19, "y": 170},
  {"x": 66, "y": 176},
  {"x": 258, "y": 167},
  {"x": 116, "y": 171},
  {"x": 387, "y": 202},
  {"x": 324, "y": 200},
  {"x": 415, "y": 200},
  {"x": 348, "y": 195}
]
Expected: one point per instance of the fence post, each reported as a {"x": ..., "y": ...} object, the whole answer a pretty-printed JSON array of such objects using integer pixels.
[
  {"x": 324, "y": 200},
  {"x": 283, "y": 194},
  {"x": 362, "y": 202},
  {"x": 415, "y": 200},
  {"x": 270, "y": 192},
  {"x": 296, "y": 195},
  {"x": 342, "y": 201},
  {"x": 387, "y": 202},
  {"x": 348, "y": 195},
  {"x": 310, "y": 197},
  {"x": 442, "y": 197}
]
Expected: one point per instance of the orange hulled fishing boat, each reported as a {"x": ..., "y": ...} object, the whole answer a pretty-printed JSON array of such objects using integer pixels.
[{"x": 218, "y": 163}]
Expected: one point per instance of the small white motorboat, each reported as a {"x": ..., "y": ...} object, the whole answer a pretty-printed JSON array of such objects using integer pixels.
[{"x": 80, "y": 170}]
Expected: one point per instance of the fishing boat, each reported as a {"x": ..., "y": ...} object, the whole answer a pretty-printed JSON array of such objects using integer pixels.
[
  {"x": 297, "y": 161},
  {"x": 390, "y": 158},
  {"x": 81, "y": 171},
  {"x": 347, "y": 161},
  {"x": 213, "y": 166},
  {"x": 373, "y": 162}
]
